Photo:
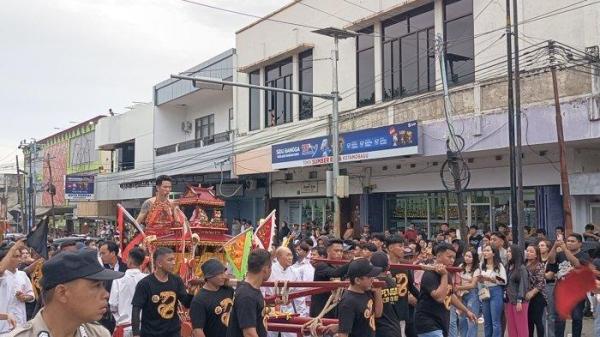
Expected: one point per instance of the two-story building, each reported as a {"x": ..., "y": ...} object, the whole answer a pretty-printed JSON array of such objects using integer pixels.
[
  {"x": 186, "y": 133},
  {"x": 393, "y": 123}
]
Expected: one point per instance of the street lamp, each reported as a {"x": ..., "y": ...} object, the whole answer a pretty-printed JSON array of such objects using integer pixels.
[{"x": 336, "y": 34}]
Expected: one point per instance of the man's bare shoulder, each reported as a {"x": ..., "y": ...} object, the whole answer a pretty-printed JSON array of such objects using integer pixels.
[{"x": 147, "y": 204}]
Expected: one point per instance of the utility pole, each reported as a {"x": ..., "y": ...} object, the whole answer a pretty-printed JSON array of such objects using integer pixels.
[
  {"x": 335, "y": 134},
  {"x": 51, "y": 190},
  {"x": 518, "y": 152},
  {"x": 20, "y": 197},
  {"x": 511, "y": 131},
  {"x": 564, "y": 173},
  {"x": 453, "y": 148},
  {"x": 337, "y": 34}
]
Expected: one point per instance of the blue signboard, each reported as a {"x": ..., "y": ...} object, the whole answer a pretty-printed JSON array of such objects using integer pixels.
[
  {"x": 383, "y": 142},
  {"x": 79, "y": 187}
]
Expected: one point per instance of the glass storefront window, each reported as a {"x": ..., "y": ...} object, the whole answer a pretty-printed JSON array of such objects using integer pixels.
[
  {"x": 417, "y": 212},
  {"x": 529, "y": 211},
  {"x": 396, "y": 214},
  {"x": 484, "y": 208}
]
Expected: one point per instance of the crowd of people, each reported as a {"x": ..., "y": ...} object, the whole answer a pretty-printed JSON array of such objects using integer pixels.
[{"x": 500, "y": 288}]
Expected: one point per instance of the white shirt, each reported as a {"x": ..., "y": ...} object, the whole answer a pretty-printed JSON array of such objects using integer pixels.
[
  {"x": 305, "y": 272},
  {"x": 10, "y": 284},
  {"x": 501, "y": 273},
  {"x": 279, "y": 274},
  {"x": 121, "y": 295}
]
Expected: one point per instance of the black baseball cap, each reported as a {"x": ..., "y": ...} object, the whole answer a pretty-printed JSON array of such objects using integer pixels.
[
  {"x": 212, "y": 268},
  {"x": 380, "y": 259},
  {"x": 69, "y": 266},
  {"x": 362, "y": 267}
]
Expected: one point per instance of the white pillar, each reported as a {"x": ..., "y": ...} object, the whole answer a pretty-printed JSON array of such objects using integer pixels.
[
  {"x": 262, "y": 101},
  {"x": 377, "y": 53},
  {"x": 439, "y": 29},
  {"x": 295, "y": 86}
]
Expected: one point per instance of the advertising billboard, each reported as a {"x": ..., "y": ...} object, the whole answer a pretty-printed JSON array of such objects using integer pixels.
[
  {"x": 376, "y": 143},
  {"x": 79, "y": 187}
]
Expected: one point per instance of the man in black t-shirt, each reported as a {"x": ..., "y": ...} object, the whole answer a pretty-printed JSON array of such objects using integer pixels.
[
  {"x": 432, "y": 315},
  {"x": 326, "y": 272},
  {"x": 248, "y": 315},
  {"x": 571, "y": 257},
  {"x": 156, "y": 296},
  {"x": 405, "y": 284},
  {"x": 388, "y": 325},
  {"x": 359, "y": 305},
  {"x": 210, "y": 307}
]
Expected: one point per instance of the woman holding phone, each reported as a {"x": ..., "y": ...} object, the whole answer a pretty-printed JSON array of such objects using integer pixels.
[{"x": 491, "y": 293}]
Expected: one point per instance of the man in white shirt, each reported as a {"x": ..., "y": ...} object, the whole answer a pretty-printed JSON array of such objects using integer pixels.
[
  {"x": 305, "y": 272},
  {"x": 282, "y": 271},
  {"x": 122, "y": 291},
  {"x": 15, "y": 290}
]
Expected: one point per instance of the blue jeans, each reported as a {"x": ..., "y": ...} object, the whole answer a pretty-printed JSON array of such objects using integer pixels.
[
  {"x": 453, "y": 328},
  {"x": 492, "y": 312},
  {"x": 471, "y": 301},
  {"x": 596, "y": 316},
  {"x": 550, "y": 313},
  {"x": 435, "y": 333}
]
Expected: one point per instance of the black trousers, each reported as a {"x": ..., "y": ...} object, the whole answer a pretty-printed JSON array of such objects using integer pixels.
[
  {"x": 577, "y": 322},
  {"x": 535, "y": 315}
]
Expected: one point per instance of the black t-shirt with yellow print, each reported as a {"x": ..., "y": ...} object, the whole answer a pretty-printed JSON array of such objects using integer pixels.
[
  {"x": 431, "y": 315},
  {"x": 158, "y": 301},
  {"x": 388, "y": 325},
  {"x": 248, "y": 311},
  {"x": 210, "y": 311},
  {"x": 356, "y": 314}
]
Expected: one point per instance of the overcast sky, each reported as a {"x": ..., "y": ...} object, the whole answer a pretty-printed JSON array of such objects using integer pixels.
[{"x": 66, "y": 61}]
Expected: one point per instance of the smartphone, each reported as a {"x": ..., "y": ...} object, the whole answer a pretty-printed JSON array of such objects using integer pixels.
[{"x": 560, "y": 237}]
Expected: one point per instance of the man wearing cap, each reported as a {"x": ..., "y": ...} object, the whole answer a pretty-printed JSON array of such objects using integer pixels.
[
  {"x": 388, "y": 325},
  {"x": 360, "y": 305},
  {"x": 121, "y": 292},
  {"x": 156, "y": 296},
  {"x": 74, "y": 297},
  {"x": 210, "y": 307}
]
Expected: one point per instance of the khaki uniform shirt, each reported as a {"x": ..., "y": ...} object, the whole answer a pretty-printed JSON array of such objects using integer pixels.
[{"x": 36, "y": 327}]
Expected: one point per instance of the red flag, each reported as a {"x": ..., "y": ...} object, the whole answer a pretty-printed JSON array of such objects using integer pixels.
[
  {"x": 265, "y": 232},
  {"x": 572, "y": 289}
]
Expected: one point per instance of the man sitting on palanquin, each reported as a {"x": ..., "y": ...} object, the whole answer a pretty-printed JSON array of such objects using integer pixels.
[{"x": 158, "y": 213}]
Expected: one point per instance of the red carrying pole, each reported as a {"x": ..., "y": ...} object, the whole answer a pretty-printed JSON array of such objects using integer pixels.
[
  {"x": 303, "y": 320},
  {"x": 319, "y": 284},
  {"x": 298, "y": 294},
  {"x": 393, "y": 266}
]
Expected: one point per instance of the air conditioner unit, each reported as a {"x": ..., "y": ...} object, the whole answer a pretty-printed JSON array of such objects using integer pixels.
[{"x": 186, "y": 126}]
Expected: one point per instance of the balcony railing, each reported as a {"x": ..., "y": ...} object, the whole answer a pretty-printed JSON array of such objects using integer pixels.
[{"x": 194, "y": 143}]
